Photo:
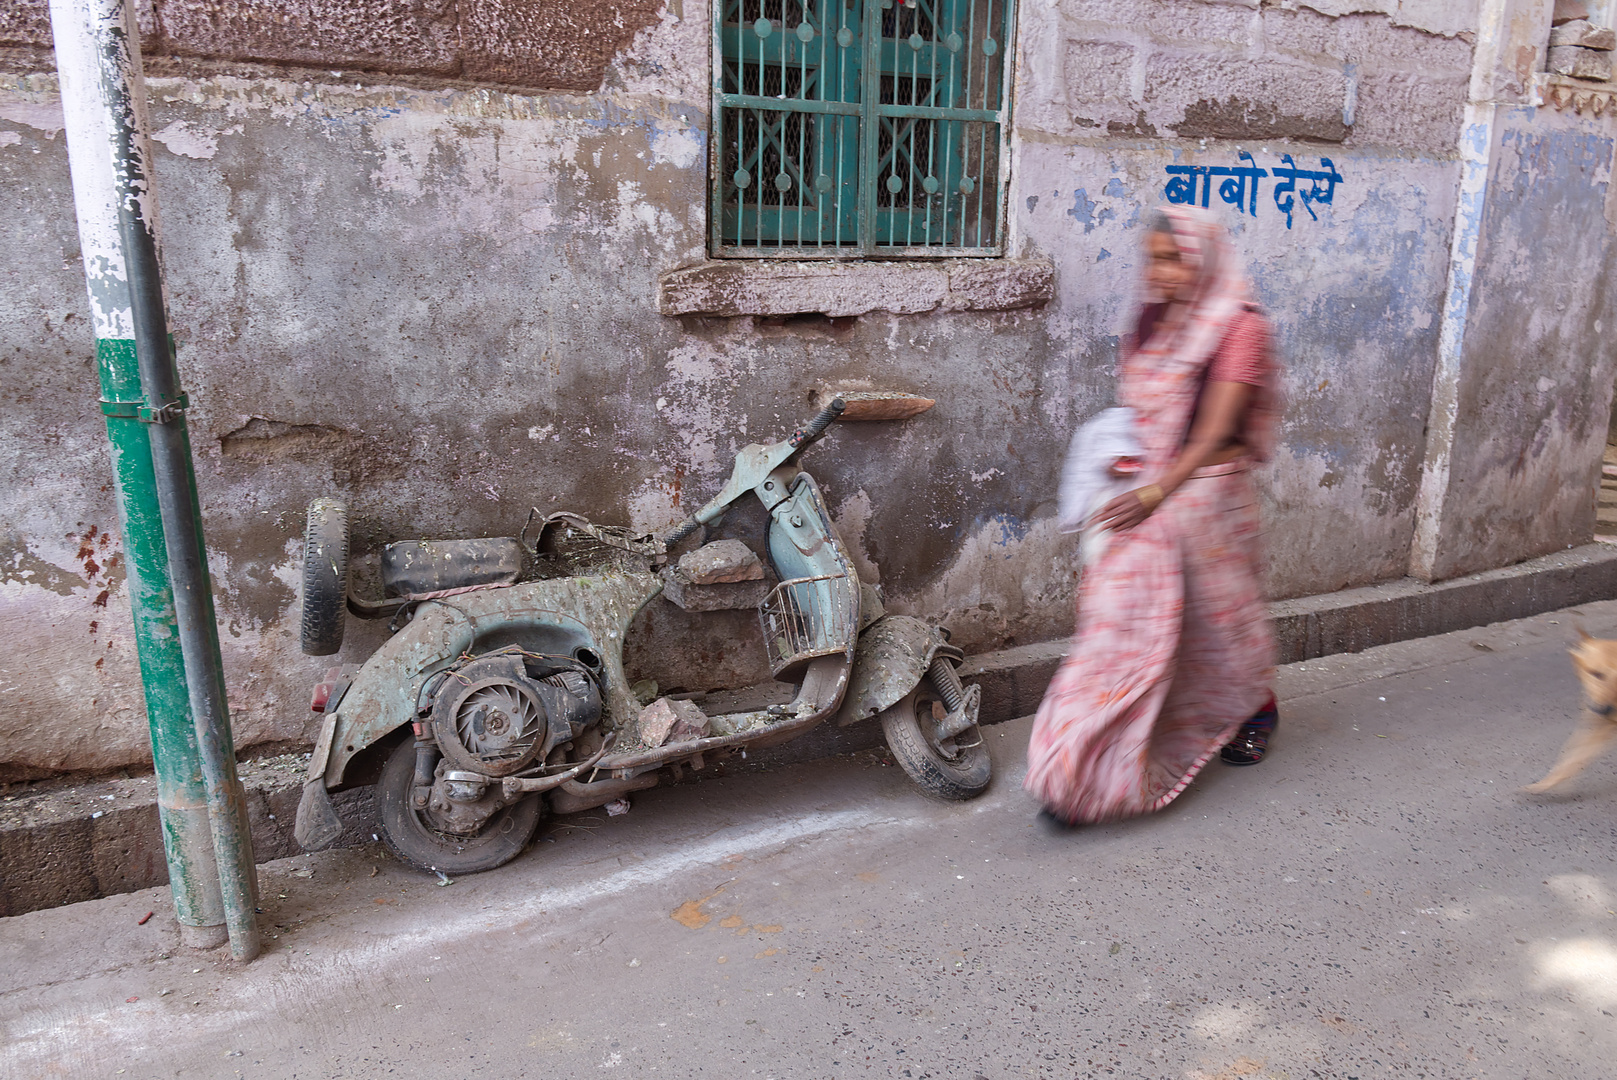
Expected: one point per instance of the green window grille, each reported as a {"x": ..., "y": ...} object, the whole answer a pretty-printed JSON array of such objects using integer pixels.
[{"x": 849, "y": 128}]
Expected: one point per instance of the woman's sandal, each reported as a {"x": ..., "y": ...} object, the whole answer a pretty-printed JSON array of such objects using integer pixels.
[{"x": 1252, "y": 741}]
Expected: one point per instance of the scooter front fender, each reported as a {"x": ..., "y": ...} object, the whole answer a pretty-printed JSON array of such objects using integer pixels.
[
  {"x": 893, "y": 655},
  {"x": 563, "y": 615}
]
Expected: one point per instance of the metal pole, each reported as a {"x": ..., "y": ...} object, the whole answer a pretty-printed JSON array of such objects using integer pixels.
[
  {"x": 103, "y": 94},
  {"x": 182, "y": 798}
]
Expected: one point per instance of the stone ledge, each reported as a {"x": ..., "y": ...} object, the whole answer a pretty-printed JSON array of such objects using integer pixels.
[
  {"x": 97, "y": 839},
  {"x": 1563, "y": 92},
  {"x": 730, "y": 287}
]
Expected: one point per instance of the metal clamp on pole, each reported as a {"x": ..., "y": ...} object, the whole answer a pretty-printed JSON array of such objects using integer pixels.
[{"x": 166, "y": 413}]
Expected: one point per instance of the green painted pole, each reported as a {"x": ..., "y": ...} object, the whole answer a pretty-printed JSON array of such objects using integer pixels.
[
  {"x": 104, "y": 106},
  {"x": 182, "y": 797}
]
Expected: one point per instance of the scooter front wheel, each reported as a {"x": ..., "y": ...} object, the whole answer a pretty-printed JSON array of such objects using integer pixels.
[
  {"x": 409, "y": 833},
  {"x": 956, "y": 769}
]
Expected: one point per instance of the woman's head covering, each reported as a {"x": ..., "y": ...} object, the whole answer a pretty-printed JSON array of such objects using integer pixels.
[
  {"x": 1220, "y": 294},
  {"x": 1220, "y": 290}
]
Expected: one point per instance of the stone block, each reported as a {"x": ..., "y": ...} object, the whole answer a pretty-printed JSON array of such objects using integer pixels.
[
  {"x": 1377, "y": 45},
  {"x": 1569, "y": 11},
  {"x": 399, "y": 36},
  {"x": 1580, "y": 63},
  {"x": 730, "y": 288},
  {"x": 1098, "y": 71},
  {"x": 736, "y": 287},
  {"x": 550, "y": 44},
  {"x": 1223, "y": 97},
  {"x": 1584, "y": 33},
  {"x": 1225, "y": 23},
  {"x": 1300, "y": 32},
  {"x": 1000, "y": 285},
  {"x": 725, "y": 596},
  {"x": 1412, "y": 111},
  {"x": 27, "y": 24},
  {"x": 64, "y": 845},
  {"x": 720, "y": 562},
  {"x": 669, "y": 720}
]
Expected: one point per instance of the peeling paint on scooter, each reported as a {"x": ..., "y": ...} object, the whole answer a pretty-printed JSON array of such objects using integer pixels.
[{"x": 893, "y": 657}]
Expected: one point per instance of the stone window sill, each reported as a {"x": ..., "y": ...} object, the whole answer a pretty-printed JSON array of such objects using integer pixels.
[
  {"x": 1563, "y": 92},
  {"x": 732, "y": 287}
]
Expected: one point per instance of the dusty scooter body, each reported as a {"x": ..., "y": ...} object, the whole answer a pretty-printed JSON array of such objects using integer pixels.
[{"x": 500, "y": 698}]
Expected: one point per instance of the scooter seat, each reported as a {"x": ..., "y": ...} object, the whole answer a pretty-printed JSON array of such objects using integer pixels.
[{"x": 414, "y": 567}]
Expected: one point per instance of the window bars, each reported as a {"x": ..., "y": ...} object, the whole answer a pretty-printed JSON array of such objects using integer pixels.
[{"x": 848, "y": 128}]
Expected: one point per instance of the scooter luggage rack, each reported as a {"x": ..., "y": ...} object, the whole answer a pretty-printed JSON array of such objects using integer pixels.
[{"x": 802, "y": 620}]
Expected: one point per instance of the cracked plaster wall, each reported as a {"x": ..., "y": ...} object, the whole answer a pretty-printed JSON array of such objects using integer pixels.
[{"x": 439, "y": 300}]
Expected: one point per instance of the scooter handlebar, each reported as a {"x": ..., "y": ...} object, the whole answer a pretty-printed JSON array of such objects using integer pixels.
[
  {"x": 816, "y": 427},
  {"x": 799, "y": 439},
  {"x": 681, "y": 531}
]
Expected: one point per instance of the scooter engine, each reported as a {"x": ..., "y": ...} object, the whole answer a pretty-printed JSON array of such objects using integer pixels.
[{"x": 495, "y": 717}]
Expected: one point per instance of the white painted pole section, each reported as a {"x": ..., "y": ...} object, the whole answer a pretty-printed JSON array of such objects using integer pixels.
[{"x": 92, "y": 148}]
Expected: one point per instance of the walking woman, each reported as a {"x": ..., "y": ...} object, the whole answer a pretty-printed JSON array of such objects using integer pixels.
[{"x": 1173, "y": 658}]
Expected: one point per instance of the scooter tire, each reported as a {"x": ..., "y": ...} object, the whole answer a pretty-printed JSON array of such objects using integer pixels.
[
  {"x": 408, "y": 835},
  {"x": 325, "y": 577},
  {"x": 953, "y": 773}
]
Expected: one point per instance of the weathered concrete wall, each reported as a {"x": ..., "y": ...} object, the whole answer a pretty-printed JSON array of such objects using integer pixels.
[
  {"x": 1536, "y": 385},
  {"x": 439, "y": 300},
  {"x": 1523, "y": 380},
  {"x": 1355, "y": 298},
  {"x": 1354, "y": 288}
]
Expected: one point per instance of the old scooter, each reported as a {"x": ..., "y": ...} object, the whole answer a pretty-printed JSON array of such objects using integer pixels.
[{"x": 498, "y": 698}]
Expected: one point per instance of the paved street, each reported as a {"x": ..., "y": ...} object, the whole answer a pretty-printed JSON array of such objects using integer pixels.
[{"x": 1376, "y": 900}]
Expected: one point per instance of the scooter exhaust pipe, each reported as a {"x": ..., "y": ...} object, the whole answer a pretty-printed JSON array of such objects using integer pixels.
[{"x": 519, "y": 785}]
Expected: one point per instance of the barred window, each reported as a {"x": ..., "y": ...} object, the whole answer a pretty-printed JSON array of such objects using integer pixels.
[{"x": 848, "y": 128}]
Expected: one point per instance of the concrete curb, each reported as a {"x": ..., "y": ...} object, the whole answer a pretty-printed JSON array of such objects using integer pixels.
[
  {"x": 71, "y": 844},
  {"x": 98, "y": 839},
  {"x": 1357, "y": 619}
]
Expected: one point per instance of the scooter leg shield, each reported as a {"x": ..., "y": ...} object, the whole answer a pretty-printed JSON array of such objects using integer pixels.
[{"x": 317, "y": 826}]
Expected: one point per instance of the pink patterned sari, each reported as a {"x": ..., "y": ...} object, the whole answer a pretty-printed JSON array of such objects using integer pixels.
[{"x": 1173, "y": 649}]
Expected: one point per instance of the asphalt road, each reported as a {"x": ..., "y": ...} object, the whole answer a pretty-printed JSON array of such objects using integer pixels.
[{"x": 1375, "y": 900}]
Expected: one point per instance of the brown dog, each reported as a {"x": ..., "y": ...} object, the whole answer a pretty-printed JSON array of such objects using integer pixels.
[{"x": 1596, "y": 661}]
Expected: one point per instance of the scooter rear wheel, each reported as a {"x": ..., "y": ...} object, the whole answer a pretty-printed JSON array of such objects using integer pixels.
[
  {"x": 955, "y": 769},
  {"x": 409, "y": 834}
]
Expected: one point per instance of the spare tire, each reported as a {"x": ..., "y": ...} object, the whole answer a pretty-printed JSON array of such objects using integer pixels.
[{"x": 325, "y": 576}]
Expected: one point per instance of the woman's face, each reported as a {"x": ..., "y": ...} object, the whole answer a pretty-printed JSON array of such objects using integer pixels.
[{"x": 1167, "y": 276}]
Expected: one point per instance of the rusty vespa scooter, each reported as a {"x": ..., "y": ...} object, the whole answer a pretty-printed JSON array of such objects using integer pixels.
[{"x": 497, "y": 697}]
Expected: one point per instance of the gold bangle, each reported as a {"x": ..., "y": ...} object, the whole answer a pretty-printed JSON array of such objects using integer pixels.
[{"x": 1150, "y": 497}]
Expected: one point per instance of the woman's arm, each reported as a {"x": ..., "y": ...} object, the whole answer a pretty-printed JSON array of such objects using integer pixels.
[{"x": 1217, "y": 421}]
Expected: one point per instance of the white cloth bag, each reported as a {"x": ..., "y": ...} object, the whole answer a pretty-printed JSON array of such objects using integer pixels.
[{"x": 1086, "y": 481}]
